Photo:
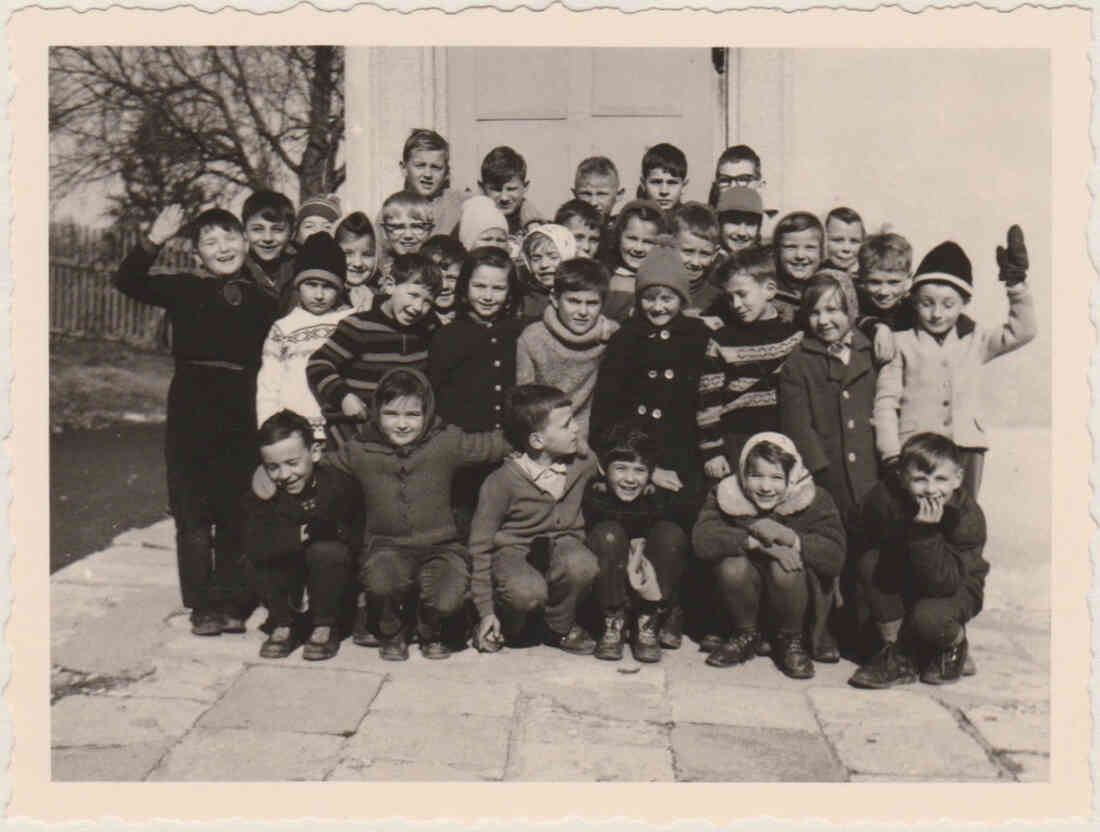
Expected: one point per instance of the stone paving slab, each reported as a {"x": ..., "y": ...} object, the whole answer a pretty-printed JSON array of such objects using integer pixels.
[
  {"x": 186, "y": 678},
  {"x": 445, "y": 696},
  {"x": 470, "y": 743},
  {"x": 106, "y": 720},
  {"x": 869, "y": 729},
  {"x": 581, "y": 761},
  {"x": 126, "y": 637},
  {"x": 105, "y": 571},
  {"x": 420, "y": 771},
  {"x": 723, "y": 753},
  {"x": 124, "y": 763},
  {"x": 721, "y": 703},
  {"x": 543, "y": 720},
  {"x": 631, "y": 698},
  {"x": 249, "y": 756},
  {"x": 73, "y": 606},
  {"x": 1030, "y": 768},
  {"x": 312, "y": 700},
  {"x": 1020, "y": 726}
]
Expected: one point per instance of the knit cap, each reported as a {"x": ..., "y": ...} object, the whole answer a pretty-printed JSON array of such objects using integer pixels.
[
  {"x": 559, "y": 235},
  {"x": 663, "y": 267},
  {"x": 946, "y": 263},
  {"x": 320, "y": 258},
  {"x": 479, "y": 214},
  {"x": 321, "y": 205},
  {"x": 741, "y": 200}
]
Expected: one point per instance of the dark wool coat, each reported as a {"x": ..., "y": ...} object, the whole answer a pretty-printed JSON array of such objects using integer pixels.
[
  {"x": 943, "y": 557},
  {"x": 329, "y": 509},
  {"x": 470, "y": 366},
  {"x": 651, "y": 375},
  {"x": 826, "y": 407},
  {"x": 637, "y": 517}
]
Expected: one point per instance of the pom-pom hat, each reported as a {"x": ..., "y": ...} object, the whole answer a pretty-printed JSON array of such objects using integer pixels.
[
  {"x": 946, "y": 263},
  {"x": 320, "y": 258},
  {"x": 479, "y": 214},
  {"x": 322, "y": 205}
]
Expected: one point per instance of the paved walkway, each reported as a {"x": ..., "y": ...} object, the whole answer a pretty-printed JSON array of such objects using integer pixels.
[{"x": 137, "y": 697}]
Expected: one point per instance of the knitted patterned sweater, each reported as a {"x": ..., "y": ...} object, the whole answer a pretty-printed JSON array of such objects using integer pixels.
[
  {"x": 290, "y": 343},
  {"x": 548, "y": 353}
]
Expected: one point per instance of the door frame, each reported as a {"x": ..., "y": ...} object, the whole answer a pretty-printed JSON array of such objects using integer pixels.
[{"x": 391, "y": 90}]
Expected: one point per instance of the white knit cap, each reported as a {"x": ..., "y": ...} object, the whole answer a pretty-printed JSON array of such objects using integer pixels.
[
  {"x": 479, "y": 214},
  {"x": 559, "y": 235}
]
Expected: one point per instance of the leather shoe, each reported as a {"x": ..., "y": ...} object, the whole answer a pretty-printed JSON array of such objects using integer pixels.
[
  {"x": 576, "y": 641},
  {"x": 671, "y": 635},
  {"x": 395, "y": 648},
  {"x": 206, "y": 623},
  {"x": 323, "y": 644},
  {"x": 739, "y": 649},
  {"x": 826, "y": 650},
  {"x": 710, "y": 642},
  {"x": 434, "y": 650},
  {"x": 889, "y": 667},
  {"x": 792, "y": 657},
  {"x": 946, "y": 667},
  {"x": 280, "y": 644}
]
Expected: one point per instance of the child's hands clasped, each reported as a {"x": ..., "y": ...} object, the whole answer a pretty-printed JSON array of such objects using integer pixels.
[
  {"x": 769, "y": 532},
  {"x": 929, "y": 509},
  {"x": 352, "y": 405},
  {"x": 166, "y": 225},
  {"x": 1012, "y": 259},
  {"x": 717, "y": 468}
]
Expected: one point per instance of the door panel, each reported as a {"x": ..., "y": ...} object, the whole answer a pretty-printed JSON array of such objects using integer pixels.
[{"x": 557, "y": 106}]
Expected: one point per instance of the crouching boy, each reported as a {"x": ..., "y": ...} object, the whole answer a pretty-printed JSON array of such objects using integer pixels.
[
  {"x": 773, "y": 535},
  {"x": 923, "y": 570},
  {"x": 641, "y": 550},
  {"x": 527, "y": 535},
  {"x": 302, "y": 536},
  {"x": 405, "y": 460}
]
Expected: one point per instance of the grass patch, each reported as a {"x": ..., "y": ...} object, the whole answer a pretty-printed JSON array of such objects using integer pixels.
[{"x": 95, "y": 384}]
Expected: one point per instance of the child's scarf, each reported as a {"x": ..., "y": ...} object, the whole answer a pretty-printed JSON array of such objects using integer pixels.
[{"x": 800, "y": 492}]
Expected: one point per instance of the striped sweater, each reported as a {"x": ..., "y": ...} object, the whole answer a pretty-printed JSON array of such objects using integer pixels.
[
  {"x": 364, "y": 346},
  {"x": 737, "y": 389}
]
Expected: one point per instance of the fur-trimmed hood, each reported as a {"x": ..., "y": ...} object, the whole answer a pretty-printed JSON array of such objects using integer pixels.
[{"x": 732, "y": 499}]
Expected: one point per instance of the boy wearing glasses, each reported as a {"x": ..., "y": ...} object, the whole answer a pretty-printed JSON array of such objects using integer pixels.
[{"x": 406, "y": 223}]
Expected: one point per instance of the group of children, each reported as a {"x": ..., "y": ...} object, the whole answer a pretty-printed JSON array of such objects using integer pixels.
[{"x": 591, "y": 432}]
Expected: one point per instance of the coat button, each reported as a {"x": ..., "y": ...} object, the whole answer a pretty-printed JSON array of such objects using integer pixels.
[
  {"x": 947, "y": 404},
  {"x": 652, "y": 374},
  {"x": 851, "y": 424},
  {"x": 851, "y": 457},
  {"x": 496, "y": 363},
  {"x": 846, "y": 394},
  {"x": 670, "y": 375},
  {"x": 496, "y": 407},
  {"x": 656, "y": 413},
  {"x": 493, "y": 340},
  {"x": 496, "y": 387},
  {"x": 642, "y": 410},
  {"x": 665, "y": 335}
]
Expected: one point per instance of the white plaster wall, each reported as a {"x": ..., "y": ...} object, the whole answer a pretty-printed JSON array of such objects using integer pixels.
[{"x": 945, "y": 144}]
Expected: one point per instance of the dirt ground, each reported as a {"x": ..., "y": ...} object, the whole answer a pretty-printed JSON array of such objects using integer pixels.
[
  {"x": 96, "y": 384},
  {"x": 106, "y": 443}
]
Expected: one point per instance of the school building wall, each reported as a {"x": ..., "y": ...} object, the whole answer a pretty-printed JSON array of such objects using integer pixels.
[{"x": 943, "y": 144}]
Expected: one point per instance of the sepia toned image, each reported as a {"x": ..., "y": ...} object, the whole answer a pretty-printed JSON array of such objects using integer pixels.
[{"x": 428, "y": 412}]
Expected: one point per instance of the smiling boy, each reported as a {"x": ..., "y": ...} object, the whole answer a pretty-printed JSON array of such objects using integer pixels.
[
  {"x": 218, "y": 327},
  {"x": 565, "y": 348},
  {"x": 344, "y": 372},
  {"x": 923, "y": 569}
]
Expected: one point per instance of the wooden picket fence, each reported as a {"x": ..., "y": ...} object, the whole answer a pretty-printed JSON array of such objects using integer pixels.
[{"x": 84, "y": 303}]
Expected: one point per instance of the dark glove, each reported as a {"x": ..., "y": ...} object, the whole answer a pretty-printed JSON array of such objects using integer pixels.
[
  {"x": 770, "y": 532},
  {"x": 1013, "y": 260}
]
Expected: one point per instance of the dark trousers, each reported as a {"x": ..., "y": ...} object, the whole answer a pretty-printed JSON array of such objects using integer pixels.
[
  {"x": 520, "y": 589},
  {"x": 210, "y": 453},
  {"x": 393, "y": 574},
  {"x": 744, "y": 582},
  {"x": 889, "y": 587},
  {"x": 324, "y": 567},
  {"x": 973, "y": 464},
  {"x": 666, "y": 547}
]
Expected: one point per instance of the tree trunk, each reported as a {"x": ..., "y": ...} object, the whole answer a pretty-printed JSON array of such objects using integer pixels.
[{"x": 316, "y": 174}]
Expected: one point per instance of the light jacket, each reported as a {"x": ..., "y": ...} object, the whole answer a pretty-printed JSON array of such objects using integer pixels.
[{"x": 930, "y": 386}]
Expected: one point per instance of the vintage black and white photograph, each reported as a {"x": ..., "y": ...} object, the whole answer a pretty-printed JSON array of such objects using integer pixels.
[{"x": 498, "y": 413}]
